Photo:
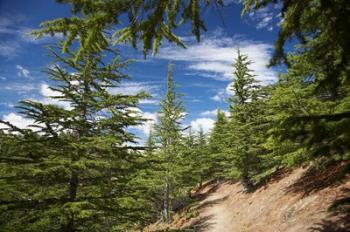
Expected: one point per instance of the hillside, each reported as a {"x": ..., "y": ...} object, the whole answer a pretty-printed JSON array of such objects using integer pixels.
[{"x": 293, "y": 200}]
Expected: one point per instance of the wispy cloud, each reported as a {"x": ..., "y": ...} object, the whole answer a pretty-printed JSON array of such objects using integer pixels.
[
  {"x": 133, "y": 88},
  {"x": 20, "y": 88},
  {"x": 264, "y": 22},
  {"x": 223, "y": 94},
  {"x": 13, "y": 33},
  {"x": 22, "y": 72},
  {"x": 265, "y": 18},
  {"x": 9, "y": 48},
  {"x": 215, "y": 55},
  {"x": 212, "y": 113}
]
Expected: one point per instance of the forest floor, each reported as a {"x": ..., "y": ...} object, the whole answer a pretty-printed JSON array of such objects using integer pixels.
[{"x": 289, "y": 201}]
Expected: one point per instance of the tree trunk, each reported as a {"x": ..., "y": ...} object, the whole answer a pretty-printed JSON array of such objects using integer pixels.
[
  {"x": 166, "y": 203},
  {"x": 246, "y": 184},
  {"x": 73, "y": 185},
  {"x": 72, "y": 191}
]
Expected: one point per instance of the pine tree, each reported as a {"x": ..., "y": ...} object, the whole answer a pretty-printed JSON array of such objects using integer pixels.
[
  {"x": 169, "y": 134},
  {"x": 72, "y": 172}
]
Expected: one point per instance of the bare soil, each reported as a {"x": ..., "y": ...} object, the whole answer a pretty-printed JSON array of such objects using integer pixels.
[{"x": 290, "y": 201}]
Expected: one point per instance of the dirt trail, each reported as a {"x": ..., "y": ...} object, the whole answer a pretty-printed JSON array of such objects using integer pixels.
[{"x": 292, "y": 201}]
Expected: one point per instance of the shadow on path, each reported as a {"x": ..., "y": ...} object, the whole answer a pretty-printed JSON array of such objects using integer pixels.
[
  {"x": 202, "y": 224},
  {"x": 338, "y": 219},
  {"x": 314, "y": 180}
]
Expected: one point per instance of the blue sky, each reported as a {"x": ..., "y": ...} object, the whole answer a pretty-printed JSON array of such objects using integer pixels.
[{"x": 202, "y": 71}]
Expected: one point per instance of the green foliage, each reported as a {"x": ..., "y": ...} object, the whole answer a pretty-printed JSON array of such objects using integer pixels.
[
  {"x": 148, "y": 21},
  {"x": 307, "y": 125},
  {"x": 310, "y": 104},
  {"x": 72, "y": 172},
  {"x": 169, "y": 137},
  {"x": 217, "y": 145},
  {"x": 247, "y": 126}
]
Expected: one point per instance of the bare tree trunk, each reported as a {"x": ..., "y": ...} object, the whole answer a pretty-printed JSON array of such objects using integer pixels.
[
  {"x": 166, "y": 203},
  {"x": 246, "y": 183}
]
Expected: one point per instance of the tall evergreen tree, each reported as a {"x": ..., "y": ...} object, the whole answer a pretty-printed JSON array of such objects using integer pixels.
[
  {"x": 71, "y": 173},
  {"x": 202, "y": 156},
  {"x": 320, "y": 67},
  {"x": 169, "y": 134},
  {"x": 241, "y": 144},
  {"x": 217, "y": 146},
  {"x": 189, "y": 170},
  {"x": 302, "y": 129}
]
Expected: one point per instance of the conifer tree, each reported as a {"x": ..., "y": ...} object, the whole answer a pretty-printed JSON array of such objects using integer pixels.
[
  {"x": 317, "y": 81},
  {"x": 72, "y": 172},
  {"x": 202, "y": 156},
  {"x": 302, "y": 129},
  {"x": 243, "y": 122},
  {"x": 217, "y": 146},
  {"x": 189, "y": 170},
  {"x": 169, "y": 134},
  {"x": 149, "y": 22}
]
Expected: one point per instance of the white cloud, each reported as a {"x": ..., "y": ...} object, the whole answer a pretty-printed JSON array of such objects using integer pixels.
[
  {"x": 147, "y": 125},
  {"x": 264, "y": 22},
  {"x": 214, "y": 56},
  {"x": 9, "y": 49},
  {"x": 129, "y": 88},
  {"x": 205, "y": 123},
  {"x": 149, "y": 101},
  {"x": 209, "y": 113},
  {"x": 48, "y": 93},
  {"x": 152, "y": 119},
  {"x": 16, "y": 120},
  {"x": 133, "y": 88},
  {"x": 20, "y": 88},
  {"x": 223, "y": 94},
  {"x": 22, "y": 72},
  {"x": 218, "y": 68},
  {"x": 213, "y": 113},
  {"x": 265, "y": 17},
  {"x": 217, "y": 98}
]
